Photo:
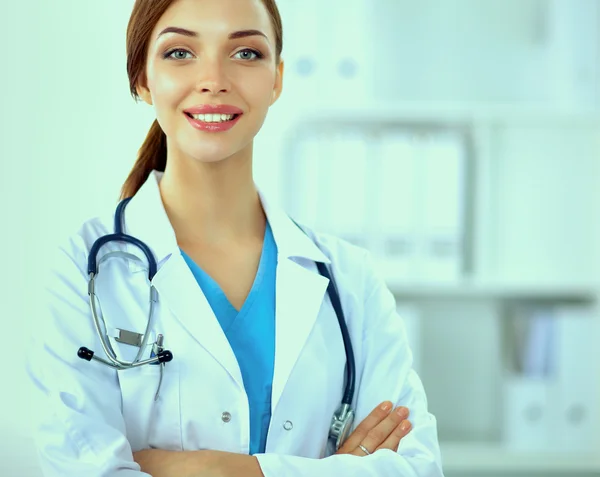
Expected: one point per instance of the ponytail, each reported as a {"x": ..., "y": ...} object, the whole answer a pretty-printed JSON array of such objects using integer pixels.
[{"x": 151, "y": 156}]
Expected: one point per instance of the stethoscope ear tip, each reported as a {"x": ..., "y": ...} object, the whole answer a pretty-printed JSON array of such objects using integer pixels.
[
  {"x": 165, "y": 356},
  {"x": 86, "y": 353}
]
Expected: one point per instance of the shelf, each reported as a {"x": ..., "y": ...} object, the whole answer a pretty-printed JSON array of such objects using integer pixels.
[
  {"x": 495, "y": 290},
  {"x": 416, "y": 113},
  {"x": 481, "y": 458}
]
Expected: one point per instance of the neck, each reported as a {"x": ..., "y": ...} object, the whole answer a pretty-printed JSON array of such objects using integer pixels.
[{"x": 212, "y": 203}]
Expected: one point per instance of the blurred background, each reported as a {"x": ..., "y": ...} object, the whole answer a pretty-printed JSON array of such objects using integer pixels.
[{"x": 458, "y": 140}]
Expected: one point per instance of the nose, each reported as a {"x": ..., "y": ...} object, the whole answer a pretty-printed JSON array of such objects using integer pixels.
[{"x": 213, "y": 78}]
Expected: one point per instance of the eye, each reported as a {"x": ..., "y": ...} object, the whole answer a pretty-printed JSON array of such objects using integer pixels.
[
  {"x": 177, "y": 54},
  {"x": 247, "y": 53}
]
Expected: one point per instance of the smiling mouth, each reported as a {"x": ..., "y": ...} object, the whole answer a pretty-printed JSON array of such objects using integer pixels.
[{"x": 213, "y": 118}]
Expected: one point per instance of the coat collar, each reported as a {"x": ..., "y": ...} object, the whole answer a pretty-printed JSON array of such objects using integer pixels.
[{"x": 146, "y": 219}]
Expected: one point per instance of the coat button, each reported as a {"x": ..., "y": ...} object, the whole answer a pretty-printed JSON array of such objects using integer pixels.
[
  {"x": 288, "y": 425},
  {"x": 226, "y": 417}
]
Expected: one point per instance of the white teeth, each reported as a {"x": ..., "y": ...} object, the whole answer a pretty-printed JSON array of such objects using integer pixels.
[{"x": 213, "y": 118}]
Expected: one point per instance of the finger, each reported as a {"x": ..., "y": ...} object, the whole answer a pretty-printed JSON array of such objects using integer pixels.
[
  {"x": 393, "y": 441},
  {"x": 378, "y": 435},
  {"x": 377, "y": 415}
]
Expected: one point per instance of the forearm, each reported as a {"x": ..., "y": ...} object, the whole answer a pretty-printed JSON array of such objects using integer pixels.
[
  {"x": 226, "y": 464},
  {"x": 204, "y": 463}
]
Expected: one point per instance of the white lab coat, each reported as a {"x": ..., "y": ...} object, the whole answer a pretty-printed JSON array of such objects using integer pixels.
[{"x": 90, "y": 417}]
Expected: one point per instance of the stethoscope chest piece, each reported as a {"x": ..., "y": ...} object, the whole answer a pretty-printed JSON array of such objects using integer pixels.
[{"x": 341, "y": 425}]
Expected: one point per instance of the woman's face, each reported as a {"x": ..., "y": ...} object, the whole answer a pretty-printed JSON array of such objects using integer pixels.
[{"x": 216, "y": 54}]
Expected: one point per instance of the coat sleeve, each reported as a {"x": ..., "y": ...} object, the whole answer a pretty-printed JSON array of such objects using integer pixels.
[
  {"x": 77, "y": 419},
  {"x": 385, "y": 374}
]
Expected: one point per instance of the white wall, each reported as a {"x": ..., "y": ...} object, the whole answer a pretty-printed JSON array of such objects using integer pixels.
[{"x": 69, "y": 133}]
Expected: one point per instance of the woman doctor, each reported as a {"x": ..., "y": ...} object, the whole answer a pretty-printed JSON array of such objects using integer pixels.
[{"x": 259, "y": 361}]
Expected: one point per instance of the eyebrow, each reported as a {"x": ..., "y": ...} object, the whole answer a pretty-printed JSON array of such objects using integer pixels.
[{"x": 232, "y": 36}]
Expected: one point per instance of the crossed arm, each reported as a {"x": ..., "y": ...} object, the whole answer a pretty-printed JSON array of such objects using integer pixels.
[
  {"x": 382, "y": 429},
  {"x": 205, "y": 463}
]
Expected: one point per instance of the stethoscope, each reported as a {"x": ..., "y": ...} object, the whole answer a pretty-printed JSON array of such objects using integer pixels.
[{"x": 343, "y": 418}]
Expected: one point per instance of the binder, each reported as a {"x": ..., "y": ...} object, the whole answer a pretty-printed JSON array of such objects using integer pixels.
[
  {"x": 304, "y": 194},
  {"x": 528, "y": 425},
  {"x": 304, "y": 53},
  {"x": 528, "y": 420},
  {"x": 411, "y": 316},
  {"x": 443, "y": 168},
  {"x": 398, "y": 205},
  {"x": 577, "y": 365},
  {"x": 539, "y": 344},
  {"x": 349, "y": 63},
  {"x": 347, "y": 186}
]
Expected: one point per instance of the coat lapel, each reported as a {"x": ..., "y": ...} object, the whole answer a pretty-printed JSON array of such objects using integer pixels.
[
  {"x": 146, "y": 219},
  {"x": 299, "y": 295},
  {"x": 179, "y": 290}
]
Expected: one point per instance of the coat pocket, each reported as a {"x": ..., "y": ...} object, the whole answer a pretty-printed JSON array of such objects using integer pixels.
[{"x": 150, "y": 423}]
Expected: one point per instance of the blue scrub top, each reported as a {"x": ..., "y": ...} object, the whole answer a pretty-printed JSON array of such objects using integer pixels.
[{"x": 251, "y": 334}]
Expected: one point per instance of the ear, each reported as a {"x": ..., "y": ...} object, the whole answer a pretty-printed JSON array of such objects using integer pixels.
[
  {"x": 144, "y": 93},
  {"x": 278, "y": 87}
]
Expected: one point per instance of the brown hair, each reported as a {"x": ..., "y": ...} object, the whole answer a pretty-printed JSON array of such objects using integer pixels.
[{"x": 144, "y": 17}]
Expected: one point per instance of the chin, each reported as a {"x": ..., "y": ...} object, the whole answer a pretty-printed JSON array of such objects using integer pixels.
[
  {"x": 208, "y": 154},
  {"x": 208, "y": 158}
]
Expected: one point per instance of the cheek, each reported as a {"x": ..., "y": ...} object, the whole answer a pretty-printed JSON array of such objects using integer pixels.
[
  {"x": 168, "y": 89},
  {"x": 258, "y": 89}
]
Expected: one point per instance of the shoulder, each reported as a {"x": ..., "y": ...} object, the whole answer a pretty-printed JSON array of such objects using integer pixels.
[
  {"x": 62, "y": 288},
  {"x": 351, "y": 265},
  {"x": 346, "y": 258},
  {"x": 72, "y": 247},
  {"x": 360, "y": 283}
]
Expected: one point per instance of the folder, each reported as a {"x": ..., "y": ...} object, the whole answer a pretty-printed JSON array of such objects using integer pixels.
[
  {"x": 398, "y": 194},
  {"x": 411, "y": 316},
  {"x": 577, "y": 365},
  {"x": 305, "y": 197},
  {"x": 528, "y": 425},
  {"x": 443, "y": 166},
  {"x": 529, "y": 416},
  {"x": 350, "y": 64},
  {"x": 539, "y": 344},
  {"x": 304, "y": 55},
  {"x": 346, "y": 184}
]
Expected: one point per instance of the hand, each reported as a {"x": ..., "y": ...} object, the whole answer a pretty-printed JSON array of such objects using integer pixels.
[{"x": 381, "y": 429}]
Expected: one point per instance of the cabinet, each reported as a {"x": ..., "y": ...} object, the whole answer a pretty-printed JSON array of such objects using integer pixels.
[{"x": 533, "y": 53}]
